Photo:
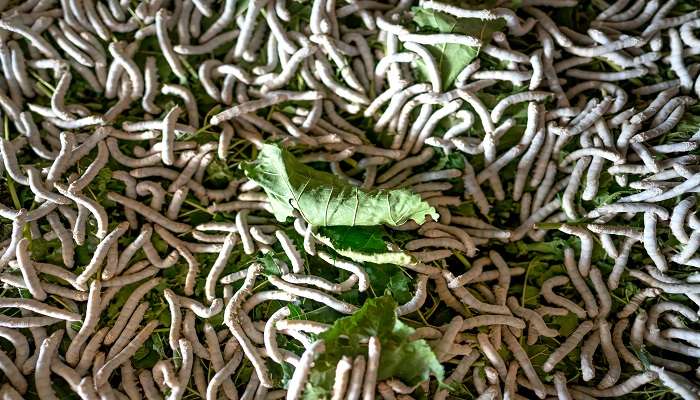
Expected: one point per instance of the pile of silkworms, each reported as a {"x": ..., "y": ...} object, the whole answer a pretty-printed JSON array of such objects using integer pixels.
[{"x": 119, "y": 114}]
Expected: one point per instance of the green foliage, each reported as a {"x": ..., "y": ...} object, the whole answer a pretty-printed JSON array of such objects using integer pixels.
[
  {"x": 325, "y": 200},
  {"x": 363, "y": 244},
  {"x": 452, "y": 58},
  {"x": 410, "y": 361}
]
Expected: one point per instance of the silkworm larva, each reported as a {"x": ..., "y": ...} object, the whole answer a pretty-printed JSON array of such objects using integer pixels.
[
  {"x": 602, "y": 292},
  {"x": 524, "y": 361},
  {"x": 271, "y": 332},
  {"x": 175, "y": 318},
  {"x": 492, "y": 355},
  {"x": 19, "y": 69},
  {"x": 555, "y": 299},
  {"x": 579, "y": 283},
  {"x": 13, "y": 374},
  {"x": 649, "y": 241},
  {"x": 531, "y": 316},
  {"x": 291, "y": 251},
  {"x": 34, "y": 38},
  {"x": 42, "y": 374},
  {"x": 217, "y": 362},
  {"x": 488, "y": 320},
  {"x": 29, "y": 275},
  {"x": 614, "y": 368},
  {"x": 125, "y": 335},
  {"x": 20, "y": 344},
  {"x": 128, "y": 309},
  {"x": 620, "y": 389},
  {"x": 313, "y": 294},
  {"x": 166, "y": 46},
  {"x": 418, "y": 298},
  {"x": 101, "y": 253},
  {"x": 251, "y": 352},
  {"x": 92, "y": 316},
  {"x": 118, "y": 51},
  {"x": 588, "y": 350},
  {"x": 149, "y": 213},
  {"x": 86, "y": 204},
  {"x": 92, "y": 170},
  {"x": 103, "y": 373},
  {"x": 569, "y": 344}
]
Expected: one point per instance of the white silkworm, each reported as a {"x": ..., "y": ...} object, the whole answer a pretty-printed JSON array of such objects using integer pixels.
[
  {"x": 92, "y": 316},
  {"x": 243, "y": 231},
  {"x": 649, "y": 241},
  {"x": 678, "y": 217},
  {"x": 313, "y": 294},
  {"x": 569, "y": 344},
  {"x": 614, "y": 368},
  {"x": 34, "y": 38},
  {"x": 175, "y": 318},
  {"x": 42, "y": 374},
  {"x": 218, "y": 267},
  {"x": 85, "y": 203},
  {"x": 291, "y": 251},
  {"x": 251, "y": 353},
  {"x": 341, "y": 378},
  {"x": 418, "y": 299},
  {"x": 301, "y": 373},
  {"x": 166, "y": 46},
  {"x": 149, "y": 213},
  {"x": 187, "y": 97},
  {"x": 101, "y": 253},
  {"x": 26, "y": 267},
  {"x": 370, "y": 380},
  {"x": 128, "y": 309},
  {"x": 103, "y": 373},
  {"x": 119, "y": 52},
  {"x": 551, "y": 297}
]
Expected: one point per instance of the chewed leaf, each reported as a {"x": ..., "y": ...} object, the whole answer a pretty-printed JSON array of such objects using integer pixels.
[
  {"x": 411, "y": 361},
  {"x": 362, "y": 244},
  {"x": 325, "y": 200},
  {"x": 452, "y": 58}
]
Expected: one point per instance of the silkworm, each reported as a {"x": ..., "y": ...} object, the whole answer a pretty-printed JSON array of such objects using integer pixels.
[
  {"x": 569, "y": 344},
  {"x": 579, "y": 283},
  {"x": 42, "y": 374},
  {"x": 555, "y": 299},
  {"x": 620, "y": 389},
  {"x": 128, "y": 309},
  {"x": 90, "y": 322},
  {"x": 531, "y": 316},
  {"x": 418, "y": 299},
  {"x": 35, "y": 39},
  {"x": 468, "y": 299},
  {"x": 372, "y": 369},
  {"x": 291, "y": 251},
  {"x": 85, "y": 203},
  {"x": 166, "y": 46},
  {"x": 125, "y": 354},
  {"x": 588, "y": 350},
  {"x": 175, "y": 318},
  {"x": 208, "y": 46},
  {"x": 489, "y": 320},
  {"x": 313, "y": 294},
  {"x": 524, "y": 362},
  {"x": 26, "y": 267},
  {"x": 101, "y": 253},
  {"x": 678, "y": 217},
  {"x": 616, "y": 208},
  {"x": 251, "y": 353},
  {"x": 149, "y": 213}
]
